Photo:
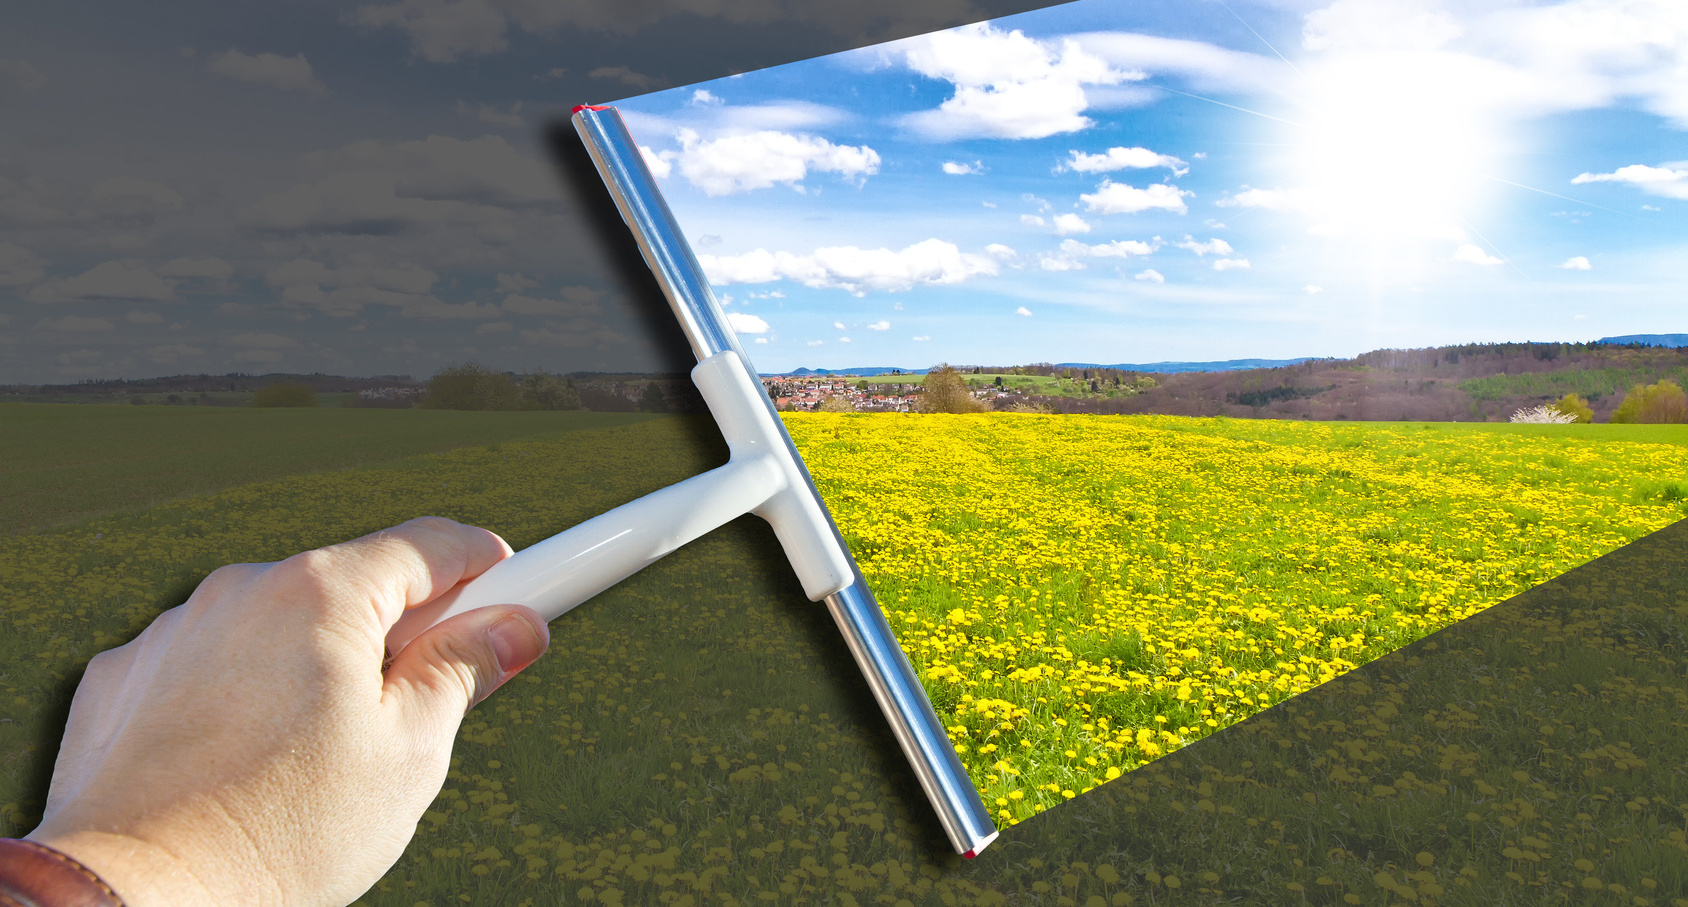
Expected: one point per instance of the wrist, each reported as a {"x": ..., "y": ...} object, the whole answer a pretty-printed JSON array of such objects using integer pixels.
[{"x": 137, "y": 873}]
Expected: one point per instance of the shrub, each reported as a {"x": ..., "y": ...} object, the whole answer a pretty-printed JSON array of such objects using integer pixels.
[
  {"x": 545, "y": 391},
  {"x": 290, "y": 393},
  {"x": 653, "y": 400},
  {"x": 1654, "y": 404},
  {"x": 946, "y": 392},
  {"x": 1573, "y": 405},
  {"x": 836, "y": 403},
  {"x": 470, "y": 386}
]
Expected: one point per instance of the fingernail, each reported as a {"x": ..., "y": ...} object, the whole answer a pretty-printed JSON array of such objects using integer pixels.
[{"x": 514, "y": 643}]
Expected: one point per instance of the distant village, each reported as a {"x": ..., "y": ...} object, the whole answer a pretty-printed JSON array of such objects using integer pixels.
[{"x": 801, "y": 394}]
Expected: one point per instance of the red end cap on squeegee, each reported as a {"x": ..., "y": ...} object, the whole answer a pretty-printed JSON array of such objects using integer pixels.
[
  {"x": 579, "y": 107},
  {"x": 970, "y": 854}
]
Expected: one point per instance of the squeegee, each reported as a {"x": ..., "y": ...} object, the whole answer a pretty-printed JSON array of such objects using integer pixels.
[{"x": 764, "y": 476}]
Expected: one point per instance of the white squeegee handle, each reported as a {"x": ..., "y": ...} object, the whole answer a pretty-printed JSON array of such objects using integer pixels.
[{"x": 765, "y": 476}]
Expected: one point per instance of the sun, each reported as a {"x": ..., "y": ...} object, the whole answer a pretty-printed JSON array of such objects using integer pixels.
[{"x": 1390, "y": 148}]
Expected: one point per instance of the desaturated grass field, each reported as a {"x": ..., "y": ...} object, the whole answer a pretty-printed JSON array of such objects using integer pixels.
[
  {"x": 63, "y": 462},
  {"x": 1064, "y": 584}
]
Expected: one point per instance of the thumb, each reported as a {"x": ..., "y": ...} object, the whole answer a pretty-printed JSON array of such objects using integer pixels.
[{"x": 457, "y": 663}]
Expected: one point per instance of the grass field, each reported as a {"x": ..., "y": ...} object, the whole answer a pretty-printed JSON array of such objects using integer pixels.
[
  {"x": 62, "y": 462},
  {"x": 1083, "y": 595},
  {"x": 1064, "y": 584}
]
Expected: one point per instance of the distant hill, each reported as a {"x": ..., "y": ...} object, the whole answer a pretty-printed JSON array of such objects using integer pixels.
[
  {"x": 1648, "y": 339},
  {"x": 1472, "y": 382},
  {"x": 1170, "y": 368},
  {"x": 864, "y": 372}
]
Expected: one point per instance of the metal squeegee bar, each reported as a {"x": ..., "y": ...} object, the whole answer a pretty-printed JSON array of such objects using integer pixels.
[{"x": 876, "y": 650}]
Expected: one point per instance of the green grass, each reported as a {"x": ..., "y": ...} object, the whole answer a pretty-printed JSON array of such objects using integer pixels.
[{"x": 61, "y": 463}]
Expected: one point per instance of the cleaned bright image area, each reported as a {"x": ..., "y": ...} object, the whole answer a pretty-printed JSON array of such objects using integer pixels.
[{"x": 1084, "y": 594}]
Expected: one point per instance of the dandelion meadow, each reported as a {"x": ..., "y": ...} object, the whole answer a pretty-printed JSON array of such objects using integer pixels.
[
  {"x": 1084, "y": 594},
  {"x": 698, "y": 734}
]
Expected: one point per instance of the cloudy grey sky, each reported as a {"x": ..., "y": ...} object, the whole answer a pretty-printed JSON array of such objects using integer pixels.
[{"x": 355, "y": 189}]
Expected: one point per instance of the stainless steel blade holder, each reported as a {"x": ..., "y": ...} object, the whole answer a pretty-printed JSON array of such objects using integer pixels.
[{"x": 764, "y": 476}]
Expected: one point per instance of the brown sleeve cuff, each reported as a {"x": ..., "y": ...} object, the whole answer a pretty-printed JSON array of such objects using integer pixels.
[{"x": 33, "y": 875}]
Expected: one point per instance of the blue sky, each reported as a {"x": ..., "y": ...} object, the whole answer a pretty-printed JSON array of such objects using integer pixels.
[
  {"x": 366, "y": 188},
  {"x": 1113, "y": 182}
]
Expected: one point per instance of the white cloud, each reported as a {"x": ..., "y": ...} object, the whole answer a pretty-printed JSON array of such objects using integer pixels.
[
  {"x": 1230, "y": 264},
  {"x": 75, "y": 324},
  {"x": 19, "y": 266},
  {"x": 515, "y": 283},
  {"x": 856, "y": 270},
  {"x": 1216, "y": 246},
  {"x": 24, "y": 76},
  {"x": 376, "y": 188},
  {"x": 626, "y": 77},
  {"x": 263, "y": 341},
  {"x": 1369, "y": 25},
  {"x": 436, "y": 310},
  {"x": 1059, "y": 263},
  {"x": 487, "y": 113},
  {"x": 109, "y": 280},
  {"x": 922, "y": 338},
  {"x": 208, "y": 267},
  {"x": 121, "y": 188},
  {"x": 844, "y": 340},
  {"x": 1031, "y": 220},
  {"x": 961, "y": 168},
  {"x": 1270, "y": 199},
  {"x": 1120, "y": 198},
  {"x": 573, "y": 335},
  {"x": 1206, "y": 66},
  {"x": 999, "y": 251},
  {"x": 1123, "y": 158},
  {"x": 661, "y": 164},
  {"x": 171, "y": 353},
  {"x": 1313, "y": 289},
  {"x": 440, "y": 31},
  {"x": 703, "y": 98},
  {"x": 1023, "y": 311},
  {"x": 1068, "y": 224},
  {"x": 838, "y": 325},
  {"x": 1007, "y": 85},
  {"x": 1670, "y": 180},
  {"x": 1150, "y": 275},
  {"x": 757, "y": 160},
  {"x": 879, "y": 326},
  {"x": 1473, "y": 254},
  {"x": 744, "y": 323},
  {"x": 360, "y": 282},
  {"x": 1577, "y": 263},
  {"x": 761, "y": 340},
  {"x": 816, "y": 343},
  {"x": 1121, "y": 248},
  {"x": 287, "y": 73},
  {"x": 571, "y": 302},
  {"x": 138, "y": 317}
]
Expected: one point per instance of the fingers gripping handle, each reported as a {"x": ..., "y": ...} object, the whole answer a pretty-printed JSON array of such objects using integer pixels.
[{"x": 571, "y": 567}]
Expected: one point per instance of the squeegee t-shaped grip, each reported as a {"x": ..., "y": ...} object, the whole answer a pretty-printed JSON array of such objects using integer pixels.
[
  {"x": 761, "y": 478},
  {"x": 764, "y": 476}
]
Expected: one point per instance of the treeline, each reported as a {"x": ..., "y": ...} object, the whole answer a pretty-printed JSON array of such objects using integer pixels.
[{"x": 1467, "y": 382}]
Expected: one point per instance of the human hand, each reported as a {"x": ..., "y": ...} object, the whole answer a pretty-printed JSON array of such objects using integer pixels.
[{"x": 247, "y": 747}]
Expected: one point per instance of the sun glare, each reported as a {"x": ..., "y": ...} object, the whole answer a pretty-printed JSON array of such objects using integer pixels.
[{"x": 1388, "y": 149}]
